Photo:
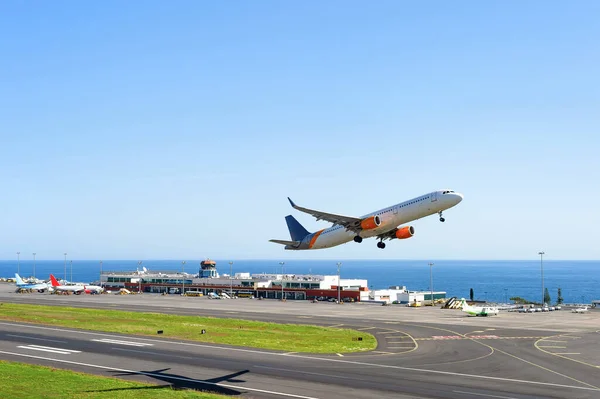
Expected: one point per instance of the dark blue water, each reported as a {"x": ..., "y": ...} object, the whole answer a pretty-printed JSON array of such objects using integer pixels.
[{"x": 490, "y": 280}]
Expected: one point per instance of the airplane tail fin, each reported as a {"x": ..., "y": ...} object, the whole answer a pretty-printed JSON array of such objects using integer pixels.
[
  {"x": 54, "y": 281},
  {"x": 297, "y": 231},
  {"x": 18, "y": 279}
]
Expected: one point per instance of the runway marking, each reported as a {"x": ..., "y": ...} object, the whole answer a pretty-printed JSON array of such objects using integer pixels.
[
  {"x": 557, "y": 347},
  {"x": 339, "y": 354},
  {"x": 574, "y": 353},
  {"x": 119, "y": 342},
  {"x": 488, "y": 396},
  {"x": 387, "y": 332},
  {"x": 400, "y": 347},
  {"x": 570, "y": 336},
  {"x": 305, "y": 317},
  {"x": 232, "y": 312},
  {"x": 48, "y": 349},
  {"x": 161, "y": 376},
  {"x": 366, "y": 328},
  {"x": 589, "y": 387},
  {"x": 305, "y": 372},
  {"x": 536, "y": 344},
  {"x": 552, "y": 340},
  {"x": 37, "y": 339}
]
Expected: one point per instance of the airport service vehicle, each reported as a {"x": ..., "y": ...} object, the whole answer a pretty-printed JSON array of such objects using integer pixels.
[
  {"x": 477, "y": 310},
  {"x": 77, "y": 289},
  {"x": 383, "y": 224},
  {"x": 22, "y": 285},
  {"x": 581, "y": 310}
]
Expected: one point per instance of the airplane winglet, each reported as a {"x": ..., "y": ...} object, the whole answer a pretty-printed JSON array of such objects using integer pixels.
[{"x": 292, "y": 203}]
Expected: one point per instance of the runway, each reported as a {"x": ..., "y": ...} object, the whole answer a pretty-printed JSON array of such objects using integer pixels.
[{"x": 436, "y": 354}]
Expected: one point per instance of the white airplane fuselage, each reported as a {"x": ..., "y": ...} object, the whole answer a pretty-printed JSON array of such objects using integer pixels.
[{"x": 391, "y": 217}]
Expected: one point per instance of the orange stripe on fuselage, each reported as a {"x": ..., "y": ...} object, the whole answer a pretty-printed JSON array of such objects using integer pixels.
[{"x": 314, "y": 238}]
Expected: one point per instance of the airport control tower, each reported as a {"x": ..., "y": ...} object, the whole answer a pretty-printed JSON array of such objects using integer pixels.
[{"x": 208, "y": 269}]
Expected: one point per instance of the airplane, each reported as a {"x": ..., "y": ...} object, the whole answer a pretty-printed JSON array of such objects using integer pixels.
[
  {"x": 22, "y": 285},
  {"x": 77, "y": 289},
  {"x": 93, "y": 289},
  {"x": 383, "y": 224},
  {"x": 581, "y": 310},
  {"x": 477, "y": 310}
]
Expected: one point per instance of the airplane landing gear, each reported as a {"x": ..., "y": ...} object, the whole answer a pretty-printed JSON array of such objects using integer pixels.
[
  {"x": 441, "y": 217},
  {"x": 381, "y": 244},
  {"x": 358, "y": 239}
]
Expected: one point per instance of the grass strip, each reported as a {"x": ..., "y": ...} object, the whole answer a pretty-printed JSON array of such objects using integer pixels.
[
  {"x": 254, "y": 334},
  {"x": 26, "y": 381}
]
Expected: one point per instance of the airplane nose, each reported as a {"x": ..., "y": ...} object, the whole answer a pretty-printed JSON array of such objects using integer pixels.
[{"x": 459, "y": 197}]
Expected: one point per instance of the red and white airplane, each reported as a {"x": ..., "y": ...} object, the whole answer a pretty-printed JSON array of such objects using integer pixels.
[
  {"x": 76, "y": 288},
  {"x": 383, "y": 224}
]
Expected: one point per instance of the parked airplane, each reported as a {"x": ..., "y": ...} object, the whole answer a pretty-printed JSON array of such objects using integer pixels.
[
  {"x": 477, "y": 310},
  {"x": 383, "y": 224},
  {"x": 581, "y": 310},
  {"x": 22, "y": 285},
  {"x": 93, "y": 289},
  {"x": 77, "y": 289}
]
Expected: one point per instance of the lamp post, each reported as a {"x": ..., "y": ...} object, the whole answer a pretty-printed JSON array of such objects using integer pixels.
[
  {"x": 230, "y": 279},
  {"x": 71, "y": 262},
  {"x": 182, "y": 277},
  {"x": 139, "y": 278},
  {"x": 339, "y": 264},
  {"x": 431, "y": 280},
  {"x": 100, "y": 274},
  {"x": 18, "y": 263},
  {"x": 34, "y": 265},
  {"x": 282, "y": 263},
  {"x": 65, "y": 266},
  {"x": 541, "y": 254}
]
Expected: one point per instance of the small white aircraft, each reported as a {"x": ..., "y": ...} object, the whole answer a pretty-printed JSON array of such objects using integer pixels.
[
  {"x": 22, "y": 285},
  {"x": 581, "y": 310},
  {"x": 477, "y": 310},
  {"x": 383, "y": 224}
]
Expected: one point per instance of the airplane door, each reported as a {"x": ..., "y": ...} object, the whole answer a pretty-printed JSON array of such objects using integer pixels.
[
  {"x": 396, "y": 210},
  {"x": 434, "y": 196}
]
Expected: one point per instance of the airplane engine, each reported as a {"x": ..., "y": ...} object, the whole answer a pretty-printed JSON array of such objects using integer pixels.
[
  {"x": 405, "y": 232},
  {"x": 370, "y": 223}
]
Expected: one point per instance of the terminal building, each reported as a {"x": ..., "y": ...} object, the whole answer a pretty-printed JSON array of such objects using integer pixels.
[{"x": 208, "y": 281}]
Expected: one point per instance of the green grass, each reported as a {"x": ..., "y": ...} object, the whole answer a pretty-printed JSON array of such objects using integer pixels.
[
  {"x": 255, "y": 334},
  {"x": 20, "y": 381}
]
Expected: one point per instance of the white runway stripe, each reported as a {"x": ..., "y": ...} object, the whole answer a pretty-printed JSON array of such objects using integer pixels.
[
  {"x": 119, "y": 342},
  {"x": 49, "y": 349}
]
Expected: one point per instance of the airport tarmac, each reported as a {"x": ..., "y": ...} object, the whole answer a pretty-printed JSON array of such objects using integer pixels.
[{"x": 422, "y": 352}]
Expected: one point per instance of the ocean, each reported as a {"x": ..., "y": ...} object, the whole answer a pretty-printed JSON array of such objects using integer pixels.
[{"x": 494, "y": 281}]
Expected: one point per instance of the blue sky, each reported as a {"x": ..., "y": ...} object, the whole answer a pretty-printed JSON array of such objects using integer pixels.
[{"x": 145, "y": 130}]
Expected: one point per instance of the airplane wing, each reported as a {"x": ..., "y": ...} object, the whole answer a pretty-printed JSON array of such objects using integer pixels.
[
  {"x": 284, "y": 242},
  {"x": 350, "y": 223},
  {"x": 388, "y": 235}
]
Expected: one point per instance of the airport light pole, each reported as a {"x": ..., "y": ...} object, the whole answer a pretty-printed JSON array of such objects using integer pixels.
[
  {"x": 339, "y": 264},
  {"x": 541, "y": 254},
  {"x": 71, "y": 262},
  {"x": 34, "y": 265},
  {"x": 230, "y": 279},
  {"x": 282, "y": 263},
  {"x": 65, "y": 266},
  {"x": 100, "y": 274},
  {"x": 182, "y": 277},
  {"x": 18, "y": 263},
  {"x": 431, "y": 280},
  {"x": 139, "y": 277}
]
